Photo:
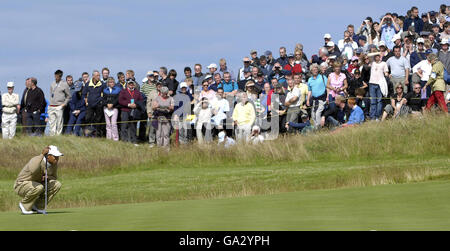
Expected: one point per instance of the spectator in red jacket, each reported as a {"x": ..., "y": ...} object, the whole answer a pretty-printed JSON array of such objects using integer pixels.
[
  {"x": 292, "y": 66},
  {"x": 132, "y": 105}
]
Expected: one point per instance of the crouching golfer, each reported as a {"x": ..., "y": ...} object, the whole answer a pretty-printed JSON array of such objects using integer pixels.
[{"x": 30, "y": 184}]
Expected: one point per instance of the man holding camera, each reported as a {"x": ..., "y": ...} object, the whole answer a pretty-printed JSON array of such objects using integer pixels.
[{"x": 388, "y": 29}]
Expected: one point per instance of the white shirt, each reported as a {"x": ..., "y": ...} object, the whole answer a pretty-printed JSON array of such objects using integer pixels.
[
  {"x": 426, "y": 67},
  {"x": 347, "y": 48},
  {"x": 222, "y": 107},
  {"x": 10, "y": 102},
  {"x": 294, "y": 93}
]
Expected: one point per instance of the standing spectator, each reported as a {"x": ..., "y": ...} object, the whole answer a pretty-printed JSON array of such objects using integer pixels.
[
  {"x": 212, "y": 69},
  {"x": 299, "y": 60},
  {"x": 414, "y": 20},
  {"x": 150, "y": 113},
  {"x": 111, "y": 110},
  {"x": 337, "y": 84},
  {"x": 171, "y": 82},
  {"x": 23, "y": 114},
  {"x": 217, "y": 80},
  {"x": 270, "y": 59},
  {"x": 242, "y": 70},
  {"x": 327, "y": 39},
  {"x": 204, "y": 113},
  {"x": 423, "y": 72},
  {"x": 283, "y": 59},
  {"x": 72, "y": 87},
  {"x": 347, "y": 46},
  {"x": 77, "y": 107},
  {"x": 243, "y": 82},
  {"x": 121, "y": 81},
  {"x": 254, "y": 58},
  {"x": 419, "y": 54},
  {"x": 229, "y": 86},
  {"x": 163, "y": 107},
  {"x": 400, "y": 68},
  {"x": 365, "y": 29},
  {"x": 243, "y": 116},
  {"x": 293, "y": 102},
  {"x": 437, "y": 83},
  {"x": 93, "y": 97},
  {"x": 182, "y": 109},
  {"x": 377, "y": 86},
  {"x": 388, "y": 28},
  {"x": 187, "y": 73},
  {"x": 444, "y": 56},
  {"x": 317, "y": 92},
  {"x": 224, "y": 68},
  {"x": 198, "y": 75},
  {"x": 130, "y": 77},
  {"x": 331, "y": 47},
  {"x": 206, "y": 92},
  {"x": 35, "y": 104},
  {"x": 446, "y": 33},
  {"x": 10, "y": 109},
  {"x": 59, "y": 98},
  {"x": 265, "y": 67},
  {"x": 132, "y": 104},
  {"x": 105, "y": 76}
]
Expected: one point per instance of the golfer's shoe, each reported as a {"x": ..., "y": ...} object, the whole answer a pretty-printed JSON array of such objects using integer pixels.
[
  {"x": 24, "y": 211},
  {"x": 35, "y": 209}
]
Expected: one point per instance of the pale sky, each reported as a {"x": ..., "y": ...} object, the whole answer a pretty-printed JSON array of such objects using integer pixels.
[{"x": 40, "y": 37}]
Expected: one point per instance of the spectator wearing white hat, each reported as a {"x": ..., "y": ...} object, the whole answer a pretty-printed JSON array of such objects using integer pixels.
[
  {"x": 331, "y": 47},
  {"x": 419, "y": 54},
  {"x": 256, "y": 137},
  {"x": 444, "y": 56},
  {"x": 246, "y": 67},
  {"x": 327, "y": 38},
  {"x": 10, "y": 109},
  {"x": 212, "y": 69}
]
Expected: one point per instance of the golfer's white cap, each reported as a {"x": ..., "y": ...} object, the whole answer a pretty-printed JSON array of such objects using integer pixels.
[
  {"x": 10, "y": 84},
  {"x": 54, "y": 151}
]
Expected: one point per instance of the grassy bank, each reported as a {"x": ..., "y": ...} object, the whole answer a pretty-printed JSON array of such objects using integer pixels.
[{"x": 98, "y": 172}]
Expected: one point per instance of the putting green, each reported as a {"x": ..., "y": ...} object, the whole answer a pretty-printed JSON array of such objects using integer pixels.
[{"x": 415, "y": 206}]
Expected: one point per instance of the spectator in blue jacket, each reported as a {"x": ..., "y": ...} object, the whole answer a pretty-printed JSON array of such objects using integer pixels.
[
  {"x": 77, "y": 112},
  {"x": 111, "y": 110},
  {"x": 356, "y": 115},
  {"x": 413, "y": 20},
  {"x": 419, "y": 54}
]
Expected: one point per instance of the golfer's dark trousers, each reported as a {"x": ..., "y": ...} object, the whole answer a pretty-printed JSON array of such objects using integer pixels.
[
  {"x": 94, "y": 116},
  {"x": 33, "y": 121},
  {"x": 128, "y": 130}
]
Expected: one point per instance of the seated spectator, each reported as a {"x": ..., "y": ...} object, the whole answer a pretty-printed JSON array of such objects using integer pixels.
[
  {"x": 221, "y": 107},
  {"x": 254, "y": 58},
  {"x": 203, "y": 113},
  {"x": 291, "y": 66},
  {"x": 252, "y": 92},
  {"x": 293, "y": 102},
  {"x": 247, "y": 67},
  {"x": 332, "y": 49},
  {"x": 363, "y": 101},
  {"x": 256, "y": 137},
  {"x": 278, "y": 73},
  {"x": 265, "y": 68},
  {"x": 347, "y": 46},
  {"x": 336, "y": 115},
  {"x": 302, "y": 127},
  {"x": 414, "y": 100},
  {"x": 243, "y": 82},
  {"x": 225, "y": 140},
  {"x": 421, "y": 74},
  {"x": 397, "y": 106},
  {"x": 243, "y": 116},
  {"x": 356, "y": 115},
  {"x": 217, "y": 80}
]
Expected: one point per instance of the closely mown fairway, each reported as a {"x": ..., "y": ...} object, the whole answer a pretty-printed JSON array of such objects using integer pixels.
[
  {"x": 417, "y": 206},
  {"x": 395, "y": 173}
]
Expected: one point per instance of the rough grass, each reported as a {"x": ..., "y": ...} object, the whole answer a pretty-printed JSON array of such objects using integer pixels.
[{"x": 97, "y": 171}]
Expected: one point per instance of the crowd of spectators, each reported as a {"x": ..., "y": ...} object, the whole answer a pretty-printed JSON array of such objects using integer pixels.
[{"x": 393, "y": 68}]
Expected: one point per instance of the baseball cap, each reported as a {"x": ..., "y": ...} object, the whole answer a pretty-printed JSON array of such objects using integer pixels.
[
  {"x": 208, "y": 76},
  {"x": 332, "y": 57},
  {"x": 267, "y": 53},
  {"x": 246, "y": 59},
  {"x": 381, "y": 43},
  {"x": 330, "y": 44},
  {"x": 327, "y": 36},
  {"x": 262, "y": 58},
  {"x": 357, "y": 71},
  {"x": 435, "y": 25},
  {"x": 212, "y": 66},
  {"x": 444, "y": 41},
  {"x": 183, "y": 84},
  {"x": 433, "y": 13},
  {"x": 54, "y": 151},
  {"x": 362, "y": 37},
  {"x": 420, "y": 40},
  {"x": 359, "y": 50},
  {"x": 253, "y": 51},
  {"x": 354, "y": 58},
  {"x": 10, "y": 84},
  {"x": 150, "y": 73},
  {"x": 290, "y": 55}
]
